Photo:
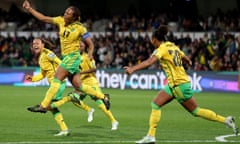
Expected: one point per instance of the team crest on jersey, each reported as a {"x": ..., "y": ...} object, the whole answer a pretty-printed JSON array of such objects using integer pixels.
[{"x": 72, "y": 29}]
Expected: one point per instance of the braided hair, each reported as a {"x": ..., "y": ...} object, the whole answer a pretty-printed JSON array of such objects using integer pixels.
[
  {"x": 160, "y": 33},
  {"x": 76, "y": 13},
  {"x": 48, "y": 44}
]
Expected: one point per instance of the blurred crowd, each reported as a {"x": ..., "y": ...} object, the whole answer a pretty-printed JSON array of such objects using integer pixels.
[
  {"x": 17, "y": 20},
  {"x": 218, "y": 52}
]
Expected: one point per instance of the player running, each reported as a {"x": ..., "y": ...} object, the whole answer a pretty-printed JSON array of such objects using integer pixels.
[
  {"x": 88, "y": 77},
  {"x": 171, "y": 59}
]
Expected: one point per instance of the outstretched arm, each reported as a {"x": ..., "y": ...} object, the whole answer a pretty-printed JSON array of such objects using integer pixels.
[
  {"x": 142, "y": 65},
  {"x": 90, "y": 46},
  {"x": 26, "y": 5},
  {"x": 34, "y": 78},
  {"x": 187, "y": 60}
]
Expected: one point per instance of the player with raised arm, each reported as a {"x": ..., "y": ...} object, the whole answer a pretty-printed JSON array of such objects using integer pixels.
[
  {"x": 71, "y": 31},
  {"x": 171, "y": 59}
]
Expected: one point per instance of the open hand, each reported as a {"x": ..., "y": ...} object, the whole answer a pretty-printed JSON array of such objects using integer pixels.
[
  {"x": 128, "y": 69},
  {"x": 90, "y": 56},
  {"x": 28, "y": 77}
]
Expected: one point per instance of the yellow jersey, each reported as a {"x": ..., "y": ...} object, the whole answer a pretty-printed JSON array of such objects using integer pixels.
[
  {"x": 48, "y": 63},
  {"x": 87, "y": 64},
  {"x": 70, "y": 35},
  {"x": 170, "y": 58}
]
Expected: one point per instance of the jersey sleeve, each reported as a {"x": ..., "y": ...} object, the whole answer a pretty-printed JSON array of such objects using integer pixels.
[
  {"x": 93, "y": 64},
  {"x": 158, "y": 53},
  {"x": 38, "y": 77},
  {"x": 84, "y": 32},
  {"x": 52, "y": 57},
  {"x": 85, "y": 35},
  {"x": 181, "y": 53},
  {"x": 57, "y": 60},
  {"x": 57, "y": 20}
]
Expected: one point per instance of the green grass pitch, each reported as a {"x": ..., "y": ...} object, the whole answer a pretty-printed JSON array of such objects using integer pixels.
[{"x": 130, "y": 107}]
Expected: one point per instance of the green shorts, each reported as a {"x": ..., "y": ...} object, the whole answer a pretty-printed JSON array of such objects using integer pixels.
[
  {"x": 182, "y": 92},
  {"x": 71, "y": 62}
]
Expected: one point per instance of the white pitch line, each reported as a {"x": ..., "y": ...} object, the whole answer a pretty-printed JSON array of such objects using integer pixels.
[
  {"x": 222, "y": 138},
  {"x": 217, "y": 139},
  {"x": 66, "y": 142}
]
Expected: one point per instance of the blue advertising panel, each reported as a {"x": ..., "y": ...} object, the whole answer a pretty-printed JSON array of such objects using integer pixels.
[{"x": 146, "y": 79}]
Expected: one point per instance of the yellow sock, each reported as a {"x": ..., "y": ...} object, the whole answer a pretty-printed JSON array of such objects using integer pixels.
[
  {"x": 59, "y": 119},
  {"x": 153, "y": 122},
  {"x": 52, "y": 91},
  {"x": 83, "y": 106},
  {"x": 108, "y": 113},
  {"x": 209, "y": 115},
  {"x": 154, "y": 119},
  {"x": 61, "y": 102},
  {"x": 91, "y": 91}
]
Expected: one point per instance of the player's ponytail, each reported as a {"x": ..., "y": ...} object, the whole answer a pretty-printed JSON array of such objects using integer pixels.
[
  {"x": 160, "y": 33},
  {"x": 48, "y": 44}
]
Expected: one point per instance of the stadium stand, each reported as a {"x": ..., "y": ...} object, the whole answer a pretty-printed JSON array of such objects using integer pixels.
[{"x": 217, "y": 50}]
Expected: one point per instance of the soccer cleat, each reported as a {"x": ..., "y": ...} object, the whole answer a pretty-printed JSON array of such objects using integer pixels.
[
  {"x": 37, "y": 108},
  {"x": 230, "y": 122},
  {"x": 75, "y": 98},
  {"x": 63, "y": 133},
  {"x": 106, "y": 101},
  {"x": 90, "y": 115},
  {"x": 115, "y": 125},
  {"x": 146, "y": 140}
]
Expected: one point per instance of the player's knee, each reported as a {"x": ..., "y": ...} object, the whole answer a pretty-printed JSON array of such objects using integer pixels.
[
  {"x": 195, "y": 111},
  {"x": 55, "y": 80},
  {"x": 56, "y": 84},
  {"x": 55, "y": 111},
  {"x": 82, "y": 96},
  {"x": 99, "y": 102},
  {"x": 155, "y": 106}
]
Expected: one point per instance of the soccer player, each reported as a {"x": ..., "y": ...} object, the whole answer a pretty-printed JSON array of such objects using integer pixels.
[
  {"x": 88, "y": 77},
  {"x": 71, "y": 31},
  {"x": 48, "y": 63},
  {"x": 171, "y": 59}
]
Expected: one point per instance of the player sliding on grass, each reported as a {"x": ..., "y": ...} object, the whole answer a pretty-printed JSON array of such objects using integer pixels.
[
  {"x": 71, "y": 31},
  {"x": 171, "y": 59},
  {"x": 88, "y": 77}
]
